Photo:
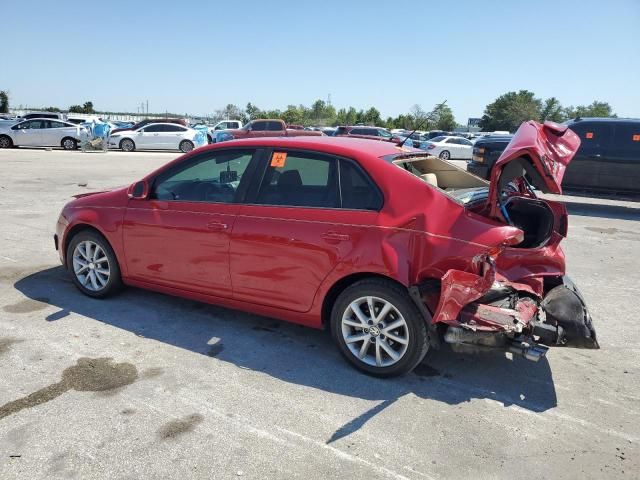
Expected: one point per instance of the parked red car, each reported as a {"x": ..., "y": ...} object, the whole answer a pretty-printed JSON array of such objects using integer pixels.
[
  {"x": 270, "y": 128},
  {"x": 391, "y": 249}
]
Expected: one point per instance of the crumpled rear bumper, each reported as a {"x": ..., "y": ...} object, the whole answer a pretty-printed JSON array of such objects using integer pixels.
[{"x": 478, "y": 309}]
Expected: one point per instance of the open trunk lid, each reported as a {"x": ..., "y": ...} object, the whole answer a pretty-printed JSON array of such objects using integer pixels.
[{"x": 541, "y": 151}]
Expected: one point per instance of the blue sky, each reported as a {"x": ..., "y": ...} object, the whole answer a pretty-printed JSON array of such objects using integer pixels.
[{"x": 195, "y": 57}]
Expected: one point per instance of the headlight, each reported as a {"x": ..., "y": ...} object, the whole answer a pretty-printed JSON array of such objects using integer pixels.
[{"x": 115, "y": 135}]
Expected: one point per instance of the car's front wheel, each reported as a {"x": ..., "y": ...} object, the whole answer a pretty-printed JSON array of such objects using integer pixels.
[
  {"x": 186, "y": 146},
  {"x": 378, "y": 328},
  {"x": 93, "y": 264},
  {"x": 445, "y": 155}
]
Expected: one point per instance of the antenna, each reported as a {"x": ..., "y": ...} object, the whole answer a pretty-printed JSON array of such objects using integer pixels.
[{"x": 428, "y": 116}]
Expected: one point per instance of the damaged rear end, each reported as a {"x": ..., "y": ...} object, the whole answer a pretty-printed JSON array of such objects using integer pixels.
[{"x": 516, "y": 296}]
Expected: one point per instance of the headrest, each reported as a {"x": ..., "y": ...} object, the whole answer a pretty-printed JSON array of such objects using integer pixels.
[{"x": 290, "y": 179}]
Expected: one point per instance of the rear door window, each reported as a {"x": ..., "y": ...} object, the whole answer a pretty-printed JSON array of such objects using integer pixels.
[
  {"x": 259, "y": 126},
  {"x": 274, "y": 127},
  {"x": 300, "y": 179}
]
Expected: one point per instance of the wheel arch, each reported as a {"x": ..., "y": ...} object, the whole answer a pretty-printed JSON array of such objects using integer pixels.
[
  {"x": 81, "y": 227},
  {"x": 343, "y": 283}
]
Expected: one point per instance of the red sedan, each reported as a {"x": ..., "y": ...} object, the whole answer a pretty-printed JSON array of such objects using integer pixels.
[{"x": 394, "y": 251}]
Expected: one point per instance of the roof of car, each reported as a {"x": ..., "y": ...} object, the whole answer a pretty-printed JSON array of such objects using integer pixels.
[
  {"x": 327, "y": 144},
  {"x": 603, "y": 119}
]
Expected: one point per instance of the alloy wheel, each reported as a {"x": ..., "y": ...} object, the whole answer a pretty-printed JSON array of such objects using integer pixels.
[
  {"x": 68, "y": 144},
  {"x": 445, "y": 155},
  {"x": 5, "y": 142},
  {"x": 91, "y": 265},
  {"x": 375, "y": 332},
  {"x": 127, "y": 145}
]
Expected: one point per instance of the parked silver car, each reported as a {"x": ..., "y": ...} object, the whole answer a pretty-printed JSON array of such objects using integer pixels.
[{"x": 42, "y": 132}]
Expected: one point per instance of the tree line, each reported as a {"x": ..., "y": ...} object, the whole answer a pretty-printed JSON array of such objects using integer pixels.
[{"x": 506, "y": 112}]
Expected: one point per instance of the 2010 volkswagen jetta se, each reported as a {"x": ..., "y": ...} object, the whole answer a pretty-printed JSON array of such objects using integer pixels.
[{"x": 395, "y": 251}]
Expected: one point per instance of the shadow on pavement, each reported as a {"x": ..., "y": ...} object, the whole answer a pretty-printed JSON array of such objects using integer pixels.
[
  {"x": 602, "y": 210},
  {"x": 295, "y": 354}
]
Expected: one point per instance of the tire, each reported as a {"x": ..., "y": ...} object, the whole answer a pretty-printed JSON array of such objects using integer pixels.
[
  {"x": 445, "y": 155},
  {"x": 186, "y": 146},
  {"x": 83, "y": 256},
  {"x": 5, "y": 141},
  {"x": 127, "y": 145},
  {"x": 69, "y": 143},
  {"x": 410, "y": 327}
]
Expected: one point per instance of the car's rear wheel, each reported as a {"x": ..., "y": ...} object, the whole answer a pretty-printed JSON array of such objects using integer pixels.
[
  {"x": 127, "y": 145},
  {"x": 93, "y": 264},
  {"x": 445, "y": 155},
  {"x": 69, "y": 143},
  {"x": 5, "y": 141},
  {"x": 186, "y": 146},
  {"x": 378, "y": 328}
]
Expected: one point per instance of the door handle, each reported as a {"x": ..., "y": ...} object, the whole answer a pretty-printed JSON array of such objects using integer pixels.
[
  {"x": 335, "y": 237},
  {"x": 217, "y": 226}
]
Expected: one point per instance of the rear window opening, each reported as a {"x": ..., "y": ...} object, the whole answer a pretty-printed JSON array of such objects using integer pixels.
[{"x": 457, "y": 183}]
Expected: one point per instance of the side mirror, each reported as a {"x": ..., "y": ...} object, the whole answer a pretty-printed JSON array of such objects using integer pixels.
[{"x": 138, "y": 190}]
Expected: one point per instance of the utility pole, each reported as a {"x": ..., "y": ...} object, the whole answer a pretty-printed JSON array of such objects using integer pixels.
[{"x": 147, "y": 107}]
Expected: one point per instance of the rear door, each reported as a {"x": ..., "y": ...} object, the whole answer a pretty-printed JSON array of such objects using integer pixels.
[
  {"x": 259, "y": 128},
  {"x": 587, "y": 169},
  {"x": 56, "y": 131},
  {"x": 292, "y": 232},
  {"x": 172, "y": 136}
]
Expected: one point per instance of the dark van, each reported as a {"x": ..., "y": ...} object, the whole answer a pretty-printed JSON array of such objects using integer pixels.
[
  {"x": 609, "y": 155},
  {"x": 608, "y": 158}
]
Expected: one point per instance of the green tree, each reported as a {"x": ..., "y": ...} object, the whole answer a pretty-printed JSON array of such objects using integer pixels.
[
  {"x": 52, "y": 109},
  {"x": 372, "y": 117},
  {"x": 443, "y": 118},
  {"x": 230, "y": 112},
  {"x": 88, "y": 107},
  {"x": 508, "y": 111},
  {"x": 253, "y": 112},
  {"x": 596, "y": 109},
  {"x": 293, "y": 116},
  {"x": 552, "y": 110},
  {"x": 4, "y": 102},
  {"x": 76, "y": 109}
]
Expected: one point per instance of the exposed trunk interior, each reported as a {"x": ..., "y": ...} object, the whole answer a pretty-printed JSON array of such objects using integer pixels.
[{"x": 534, "y": 217}]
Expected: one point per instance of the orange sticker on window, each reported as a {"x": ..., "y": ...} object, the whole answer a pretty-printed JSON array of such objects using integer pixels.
[
  {"x": 636, "y": 138},
  {"x": 278, "y": 159},
  {"x": 589, "y": 135}
]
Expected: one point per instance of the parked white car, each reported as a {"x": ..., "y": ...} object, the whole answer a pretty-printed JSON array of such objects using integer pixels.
[
  {"x": 42, "y": 132},
  {"x": 447, "y": 147},
  {"x": 157, "y": 136}
]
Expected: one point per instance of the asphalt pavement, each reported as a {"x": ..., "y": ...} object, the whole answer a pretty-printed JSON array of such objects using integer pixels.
[{"x": 144, "y": 385}]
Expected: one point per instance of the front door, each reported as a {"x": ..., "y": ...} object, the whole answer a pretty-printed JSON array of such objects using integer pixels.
[
  {"x": 29, "y": 133},
  {"x": 149, "y": 138},
  {"x": 179, "y": 236}
]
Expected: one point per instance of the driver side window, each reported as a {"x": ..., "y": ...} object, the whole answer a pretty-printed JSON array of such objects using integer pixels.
[{"x": 211, "y": 177}]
